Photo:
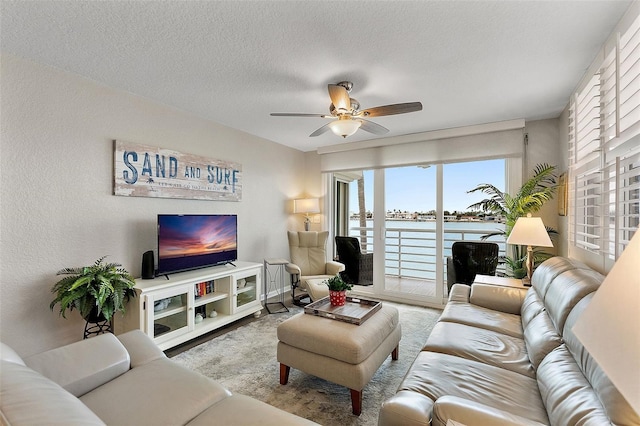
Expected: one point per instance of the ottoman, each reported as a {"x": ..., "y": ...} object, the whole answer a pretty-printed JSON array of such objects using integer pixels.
[{"x": 339, "y": 352}]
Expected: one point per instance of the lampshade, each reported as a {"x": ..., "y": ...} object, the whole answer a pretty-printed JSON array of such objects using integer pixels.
[
  {"x": 306, "y": 205},
  {"x": 608, "y": 327},
  {"x": 529, "y": 231},
  {"x": 344, "y": 127}
]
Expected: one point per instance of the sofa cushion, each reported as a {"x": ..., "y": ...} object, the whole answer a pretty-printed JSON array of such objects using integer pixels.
[
  {"x": 497, "y": 297},
  {"x": 141, "y": 349},
  {"x": 478, "y": 316},
  {"x": 29, "y": 398},
  {"x": 616, "y": 406},
  {"x": 240, "y": 410},
  {"x": 469, "y": 412},
  {"x": 434, "y": 375},
  {"x": 108, "y": 359},
  {"x": 566, "y": 392},
  {"x": 566, "y": 290},
  {"x": 477, "y": 344},
  {"x": 158, "y": 392},
  {"x": 540, "y": 337},
  {"x": 547, "y": 271},
  {"x": 532, "y": 305}
]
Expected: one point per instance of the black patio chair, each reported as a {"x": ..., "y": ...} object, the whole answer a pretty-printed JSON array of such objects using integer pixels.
[
  {"x": 470, "y": 258},
  {"x": 358, "y": 266}
]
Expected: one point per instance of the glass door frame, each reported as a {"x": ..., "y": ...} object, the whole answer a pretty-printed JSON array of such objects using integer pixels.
[{"x": 514, "y": 175}]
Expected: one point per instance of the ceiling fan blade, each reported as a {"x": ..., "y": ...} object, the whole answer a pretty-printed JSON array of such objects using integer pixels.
[
  {"x": 340, "y": 98},
  {"x": 392, "y": 109},
  {"x": 320, "y": 131},
  {"x": 371, "y": 127},
  {"x": 294, "y": 114}
]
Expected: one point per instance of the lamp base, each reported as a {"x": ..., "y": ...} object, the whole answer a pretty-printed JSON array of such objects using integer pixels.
[{"x": 526, "y": 281}]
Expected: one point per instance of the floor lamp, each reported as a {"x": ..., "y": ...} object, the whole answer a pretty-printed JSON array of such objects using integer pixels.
[
  {"x": 529, "y": 231},
  {"x": 306, "y": 206}
]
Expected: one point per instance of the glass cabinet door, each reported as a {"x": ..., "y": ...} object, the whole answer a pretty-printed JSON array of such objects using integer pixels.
[
  {"x": 168, "y": 314},
  {"x": 247, "y": 290}
]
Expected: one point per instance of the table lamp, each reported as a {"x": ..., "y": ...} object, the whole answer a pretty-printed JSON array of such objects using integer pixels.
[
  {"x": 529, "y": 231},
  {"x": 306, "y": 206},
  {"x": 608, "y": 327}
]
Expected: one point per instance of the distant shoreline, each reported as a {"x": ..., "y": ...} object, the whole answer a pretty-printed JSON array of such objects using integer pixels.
[{"x": 447, "y": 219}]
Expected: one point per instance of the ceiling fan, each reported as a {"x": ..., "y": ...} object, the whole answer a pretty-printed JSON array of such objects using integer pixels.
[{"x": 346, "y": 115}]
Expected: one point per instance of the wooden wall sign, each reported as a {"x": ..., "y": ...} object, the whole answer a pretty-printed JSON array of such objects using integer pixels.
[{"x": 147, "y": 171}]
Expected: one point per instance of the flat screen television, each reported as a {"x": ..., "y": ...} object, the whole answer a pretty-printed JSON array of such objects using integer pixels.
[{"x": 195, "y": 241}]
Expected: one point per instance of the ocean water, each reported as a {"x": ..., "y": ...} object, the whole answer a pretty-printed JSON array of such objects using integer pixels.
[{"x": 410, "y": 246}]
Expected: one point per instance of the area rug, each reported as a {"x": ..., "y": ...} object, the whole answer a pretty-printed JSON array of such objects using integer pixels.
[{"x": 244, "y": 361}]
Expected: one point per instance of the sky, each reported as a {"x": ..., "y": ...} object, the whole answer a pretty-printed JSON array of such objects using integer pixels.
[{"x": 413, "y": 188}]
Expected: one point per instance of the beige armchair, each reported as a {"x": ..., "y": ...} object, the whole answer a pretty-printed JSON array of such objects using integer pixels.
[{"x": 309, "y": 265}]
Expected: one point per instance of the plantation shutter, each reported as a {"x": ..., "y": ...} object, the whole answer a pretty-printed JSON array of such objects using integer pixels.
[
  {"x": 604, "y": 150},
  {"x": 585, "y": 163}
]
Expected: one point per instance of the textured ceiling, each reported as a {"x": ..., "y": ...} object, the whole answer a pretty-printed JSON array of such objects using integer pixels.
[{"x": 234, "y": 62}]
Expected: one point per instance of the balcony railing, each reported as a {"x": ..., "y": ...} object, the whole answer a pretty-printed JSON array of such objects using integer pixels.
[{"x": 411, "y": 252}]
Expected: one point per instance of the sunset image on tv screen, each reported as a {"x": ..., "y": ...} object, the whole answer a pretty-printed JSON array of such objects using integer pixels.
[{"x": 193, "y": 235}]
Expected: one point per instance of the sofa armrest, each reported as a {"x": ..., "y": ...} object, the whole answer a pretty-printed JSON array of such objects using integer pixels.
[
  {"x": 293, "y": 269},
  {"x": 498, "y": 298},
  {"x": 460, "y": 293},
  {"x": 140, "y": 347},
  {"x": 83, "y": 366},
  {"x": 29, "y": 398},
  {"x": 333, "y": 268},
  {"x": 473, "y": 413},
  {"x": 406, "y": 408}
]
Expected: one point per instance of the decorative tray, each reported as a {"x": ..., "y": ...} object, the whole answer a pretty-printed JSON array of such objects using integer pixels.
[{"x": 355, "y": 311}]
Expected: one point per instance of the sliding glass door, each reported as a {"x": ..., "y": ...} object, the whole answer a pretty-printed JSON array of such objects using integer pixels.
[
  {"x": 411, "y": 257},
  {"x": 409, "y": 217}
]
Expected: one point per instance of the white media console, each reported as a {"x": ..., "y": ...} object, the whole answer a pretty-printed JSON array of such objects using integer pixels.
[{"x": 179, "y": 307}]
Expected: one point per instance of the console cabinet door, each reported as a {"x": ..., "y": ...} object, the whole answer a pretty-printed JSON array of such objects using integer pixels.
[
  {"x": 169, "y": 313},
  {"x": 246, "y": 289}
]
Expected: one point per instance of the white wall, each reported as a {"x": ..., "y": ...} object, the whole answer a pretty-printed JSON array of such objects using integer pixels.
[
  {"x": 545, "y": 147},
  {"x": 57, "y": 207}
]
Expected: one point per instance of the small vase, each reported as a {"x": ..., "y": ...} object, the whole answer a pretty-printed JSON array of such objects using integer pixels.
[{"x": 338, "y": 298}]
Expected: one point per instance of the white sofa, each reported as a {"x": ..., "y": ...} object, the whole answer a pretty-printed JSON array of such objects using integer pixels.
[
  {"x": 505, "y": 356},
  {"x": 123, "y": 380}
]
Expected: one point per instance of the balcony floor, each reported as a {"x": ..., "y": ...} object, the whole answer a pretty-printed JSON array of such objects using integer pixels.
[{"x": 413, "y": 286}]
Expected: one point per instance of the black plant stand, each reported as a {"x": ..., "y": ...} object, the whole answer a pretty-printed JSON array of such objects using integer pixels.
[{"x": 94, "y": 328}]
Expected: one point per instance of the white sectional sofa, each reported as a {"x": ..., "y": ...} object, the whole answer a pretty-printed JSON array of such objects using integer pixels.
[{"x": 124, "y": 380}]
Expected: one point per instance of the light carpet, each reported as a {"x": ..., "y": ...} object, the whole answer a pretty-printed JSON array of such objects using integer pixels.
[{"x": 244, "y": 361}]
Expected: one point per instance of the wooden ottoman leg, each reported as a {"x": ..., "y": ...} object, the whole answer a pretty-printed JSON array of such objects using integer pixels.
[
  {"x": 395, "y": 353},
  {"x": 284, "y": 374},
  {"x": 356, "y": 402}
]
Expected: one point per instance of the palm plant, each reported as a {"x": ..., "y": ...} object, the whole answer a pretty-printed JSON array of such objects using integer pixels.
[
  {"x": 532, "y": 195},
  {"x": 97, "y": 290}
]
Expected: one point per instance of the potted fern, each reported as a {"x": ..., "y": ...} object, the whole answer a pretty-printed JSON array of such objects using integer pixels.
[
  {"x": 97, "y": 291},
  {"x": 338, "y": 290}
]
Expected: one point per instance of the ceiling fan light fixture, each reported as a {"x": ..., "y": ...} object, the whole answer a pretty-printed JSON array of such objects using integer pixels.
[{"x": 345, "y": 127}]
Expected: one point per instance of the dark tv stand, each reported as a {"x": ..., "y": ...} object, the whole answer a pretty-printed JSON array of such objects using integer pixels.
[{"x": 230, "y": 263}]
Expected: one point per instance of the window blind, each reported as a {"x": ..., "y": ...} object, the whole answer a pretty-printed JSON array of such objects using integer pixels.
[{"x": 604, "y": 150}]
